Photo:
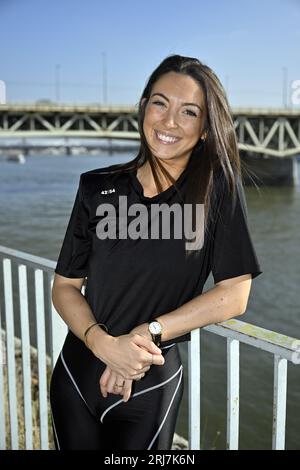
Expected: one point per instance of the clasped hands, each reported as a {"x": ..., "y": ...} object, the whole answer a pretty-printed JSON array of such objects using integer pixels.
[{"x": 138, "y": 353}]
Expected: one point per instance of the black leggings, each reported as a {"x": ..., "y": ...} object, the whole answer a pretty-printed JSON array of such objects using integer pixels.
[{"x": 83, "y": 419}]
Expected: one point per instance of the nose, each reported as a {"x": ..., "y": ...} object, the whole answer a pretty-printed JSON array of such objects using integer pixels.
[{"x": 170, "y": 119}]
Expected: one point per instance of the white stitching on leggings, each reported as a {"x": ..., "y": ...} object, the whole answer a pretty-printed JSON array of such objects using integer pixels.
[
  {"x": 166, "y": 415},
  {"x": 140, "y": 392},
  {"x": 54, "y": 425},
  {"x": 165, "y": 347},
  {"x": 75, "y": 385}
]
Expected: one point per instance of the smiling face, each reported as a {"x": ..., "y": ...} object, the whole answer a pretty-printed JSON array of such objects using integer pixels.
[{"x": 174, "y": 117}]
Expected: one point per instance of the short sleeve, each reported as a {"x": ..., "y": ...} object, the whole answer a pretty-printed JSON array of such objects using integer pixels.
[
  {"x": 73, "y": 259},
  {"x": 233, "y": 253}
]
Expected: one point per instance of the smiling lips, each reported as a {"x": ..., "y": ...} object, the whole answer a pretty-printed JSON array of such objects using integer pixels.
[{"x": 166, "y": 139}]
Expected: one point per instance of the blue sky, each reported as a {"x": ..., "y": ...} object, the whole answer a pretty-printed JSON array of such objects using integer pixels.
[{"x": 247, "y": 44}]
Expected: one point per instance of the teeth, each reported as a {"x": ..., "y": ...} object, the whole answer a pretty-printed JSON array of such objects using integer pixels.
[{"x": 166, "y": 138}]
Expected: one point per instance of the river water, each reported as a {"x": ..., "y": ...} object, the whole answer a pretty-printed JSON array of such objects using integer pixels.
[{"x": 35, "y": 203}]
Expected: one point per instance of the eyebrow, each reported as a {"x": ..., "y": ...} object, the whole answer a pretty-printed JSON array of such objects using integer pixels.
[{"x": 183, "y": 104}]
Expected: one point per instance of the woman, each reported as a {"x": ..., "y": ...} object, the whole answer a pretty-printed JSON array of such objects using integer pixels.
[{"x": 118, "y": 382}]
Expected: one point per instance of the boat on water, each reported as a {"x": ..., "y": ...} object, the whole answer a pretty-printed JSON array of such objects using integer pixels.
[{"x": 16, "y": 158}]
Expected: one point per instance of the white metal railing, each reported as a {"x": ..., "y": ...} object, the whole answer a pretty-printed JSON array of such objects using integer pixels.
[
  {"x": 284, "y": 348},
  {"x": 43, "y": 271}
]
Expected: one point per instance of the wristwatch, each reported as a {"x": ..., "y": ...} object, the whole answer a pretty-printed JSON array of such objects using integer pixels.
[{"x": 155, "y": 329}]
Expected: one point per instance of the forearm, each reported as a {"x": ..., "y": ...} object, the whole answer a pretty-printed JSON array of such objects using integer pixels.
[
  {"x": 213, "y": 306},
  {"x": 75, "y": 311},
  {"x": 127, "y": 355}
]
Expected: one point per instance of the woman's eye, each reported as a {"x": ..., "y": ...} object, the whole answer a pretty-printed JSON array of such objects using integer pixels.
[
  {"x": 158, "y": 102},
  {"x": 191, "y": 113}
]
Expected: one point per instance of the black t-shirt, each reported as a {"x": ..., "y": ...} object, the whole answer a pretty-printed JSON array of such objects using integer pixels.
[{"x": 132, "y": 281}]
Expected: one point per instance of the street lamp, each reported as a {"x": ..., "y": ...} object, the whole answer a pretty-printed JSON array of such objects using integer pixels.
[
  {"x": 104, "y": 78},
  {"x": 57, "y": 83}
]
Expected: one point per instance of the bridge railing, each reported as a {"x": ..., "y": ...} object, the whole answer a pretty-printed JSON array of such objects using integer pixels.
[{"x": 18, "y": 359}]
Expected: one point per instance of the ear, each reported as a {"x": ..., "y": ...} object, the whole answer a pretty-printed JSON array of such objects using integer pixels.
[
  {"x": 204, "y": 135},
  {"x": 143, "y": 101}
]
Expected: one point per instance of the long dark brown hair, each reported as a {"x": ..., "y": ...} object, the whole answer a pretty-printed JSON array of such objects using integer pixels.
[{"x": 218, "y": 152}]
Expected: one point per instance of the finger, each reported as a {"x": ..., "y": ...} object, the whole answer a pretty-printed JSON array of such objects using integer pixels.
[
  {"x": 127, "y": 390},
  {"x": 146, "y": 343},
  {"x": 135, "y": 372},
  {"x": 103, "y": 381},
  {"x": 152, "y": 359},
  {"x": 119, "y": 385},
  {"x": 139, "y": 377},
  {"x": 158, "y": 360},
  {"x": 132, "y": 373},
  {"x": 143, "y": 370},
  {"x": 111, "y": 382}
]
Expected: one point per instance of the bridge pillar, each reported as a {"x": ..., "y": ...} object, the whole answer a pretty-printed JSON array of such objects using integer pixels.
[{"x": 270, "y": 171}]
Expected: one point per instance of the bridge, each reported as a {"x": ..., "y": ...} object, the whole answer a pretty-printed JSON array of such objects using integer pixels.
[
  {"x": 265, "y": 131},
  {"x": 268, "y": 138}
]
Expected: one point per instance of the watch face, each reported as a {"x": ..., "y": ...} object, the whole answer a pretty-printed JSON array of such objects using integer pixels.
[{"x": 155, "y": 328}]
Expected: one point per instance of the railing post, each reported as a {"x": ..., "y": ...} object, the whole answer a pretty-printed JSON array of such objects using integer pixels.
[
  {"x": 233, "y": 397},
  {"x": 279, "y": 403},
  {"x": 42, "y": 359},
  {"x": 26, "y": 360},
  {"x": 194, "y": 390},
  {"x": 11, "y": 361},
  {"x": 58, "y": 328},
  {"x": 2, "y": 400}
]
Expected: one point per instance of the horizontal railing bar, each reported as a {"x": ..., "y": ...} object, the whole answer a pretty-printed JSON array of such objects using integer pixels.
[
  {"x": 32, "y": 260},
  {"x": 267, "y": 340}
]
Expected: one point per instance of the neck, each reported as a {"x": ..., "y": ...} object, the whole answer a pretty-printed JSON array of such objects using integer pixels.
[{"x": 172, "y": 166}]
